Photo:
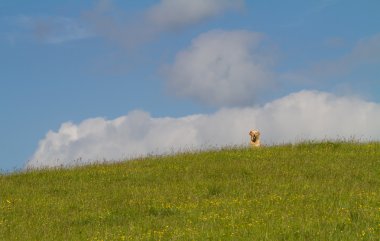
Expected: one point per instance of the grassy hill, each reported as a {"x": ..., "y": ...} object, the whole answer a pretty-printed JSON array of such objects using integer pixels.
[{"x": 309, "y": 191}]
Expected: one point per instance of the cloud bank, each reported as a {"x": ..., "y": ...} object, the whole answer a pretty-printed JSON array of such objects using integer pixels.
[
  {"x": 299, "y": 116},
  {"x": 221, "y": 68}
]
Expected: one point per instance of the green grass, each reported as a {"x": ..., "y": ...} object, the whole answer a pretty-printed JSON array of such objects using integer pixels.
[{"x": 308, "y": 191}]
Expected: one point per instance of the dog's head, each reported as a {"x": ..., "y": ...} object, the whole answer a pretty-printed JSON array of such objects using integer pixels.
[{"x": 255, "y": 135}]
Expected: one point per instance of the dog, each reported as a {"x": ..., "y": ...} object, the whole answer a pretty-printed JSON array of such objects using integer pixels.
[{"x": 255, "y": 138}]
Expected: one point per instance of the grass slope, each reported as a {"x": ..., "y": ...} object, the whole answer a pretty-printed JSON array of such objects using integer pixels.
[{"x": 310, "y": 191}]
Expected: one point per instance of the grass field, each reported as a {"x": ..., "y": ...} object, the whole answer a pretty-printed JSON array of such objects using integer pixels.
[{"x": 308, "y": 191}]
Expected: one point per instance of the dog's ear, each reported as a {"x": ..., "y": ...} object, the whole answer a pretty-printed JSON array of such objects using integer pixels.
[{"x": 250, "y": 133}]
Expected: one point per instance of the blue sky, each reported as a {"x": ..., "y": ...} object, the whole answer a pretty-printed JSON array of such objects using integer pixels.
[{"x": 78, "y": 69}]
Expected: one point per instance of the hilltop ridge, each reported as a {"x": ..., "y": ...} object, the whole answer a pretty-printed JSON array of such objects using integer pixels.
[{"x": 308, "y": 191}]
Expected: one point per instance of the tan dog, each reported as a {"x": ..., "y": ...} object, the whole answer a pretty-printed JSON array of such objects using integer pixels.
[{"x": 255, "y": 138}]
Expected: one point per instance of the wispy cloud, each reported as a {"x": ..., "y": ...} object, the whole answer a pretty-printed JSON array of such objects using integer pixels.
[
  {"x": 365, "y": 52},
  {"x": 316, "y": 8},
  {"x": 177, "y": 14},
  {"x": 334, "y": 42},
  {"x": 61, "y": 29},
  {"x": 47, "y": 29},
  {"x": 165, "y": 16},
  {"x": 305, "y": 115}
]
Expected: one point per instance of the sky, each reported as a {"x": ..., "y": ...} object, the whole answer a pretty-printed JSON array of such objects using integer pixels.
[{"x": 105, "y": 80}]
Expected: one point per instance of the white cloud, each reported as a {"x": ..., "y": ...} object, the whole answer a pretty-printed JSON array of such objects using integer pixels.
[
  {"x": 221, "y": 68},
  {"x": 300, "y": 116}
]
